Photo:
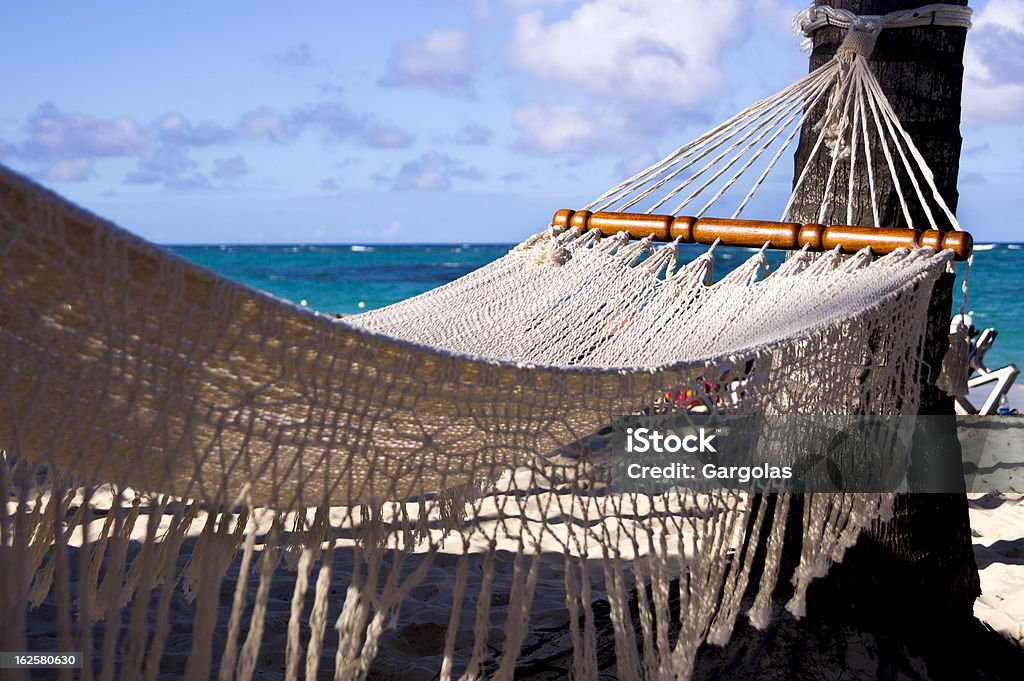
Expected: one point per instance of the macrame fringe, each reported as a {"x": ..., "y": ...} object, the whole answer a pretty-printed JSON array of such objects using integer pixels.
[{"x": 956, "y": 364}]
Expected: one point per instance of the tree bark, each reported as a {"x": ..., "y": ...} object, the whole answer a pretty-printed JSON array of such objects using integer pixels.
[
  {"x": 921, "y": 563},
  {"x": 900, "y": 605}
]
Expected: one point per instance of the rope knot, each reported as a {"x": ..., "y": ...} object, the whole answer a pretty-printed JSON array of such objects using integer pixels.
[
  {"x": 552, "y": 254},
  {"x": 860, "y": 38},
  {"x": 863, "y": 30}
]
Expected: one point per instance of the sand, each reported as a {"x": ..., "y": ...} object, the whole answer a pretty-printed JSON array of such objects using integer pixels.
[{"x": 997, "y": 525}]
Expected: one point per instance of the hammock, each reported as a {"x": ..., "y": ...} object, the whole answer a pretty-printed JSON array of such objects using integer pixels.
[{"x": 168, "y": 433}]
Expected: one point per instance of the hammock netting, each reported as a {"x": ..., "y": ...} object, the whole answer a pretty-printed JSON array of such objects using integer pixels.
[{"x": 173, "y": 439}]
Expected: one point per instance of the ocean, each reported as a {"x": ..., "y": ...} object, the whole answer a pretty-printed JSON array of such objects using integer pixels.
[{"x": 348, "y": 279}]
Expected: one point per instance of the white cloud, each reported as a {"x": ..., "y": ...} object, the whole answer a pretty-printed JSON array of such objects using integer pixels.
[
  {"x": 338, "y": 122},
  {"x": 75, "y": 170},
  {"x": 55, "y": 135},
  {"x": 660, "y": 52},
  {"x": 433, "y": 171},
  {"x": 564, "y": 128},
  {"x": 64, "y": 146},
  {"x": 175, "y": 128},
  {"x": 631, "y": 165},
  {"x": 386, "y": 137},
  {"x": 266, "y": 124},
  {"x": 1008, "y": 13},
  {"x": 520, "y": 5},
  {"x": 777, "y": 16},
  {"x": 440, "y": 62},
  {"x": 553, "y": 129},
  {"x": 626, "y": 71},
  {"x": 230, "y": 168},
  {"x": 168, "y": 166},
  {"x": 994, "y": 65}
]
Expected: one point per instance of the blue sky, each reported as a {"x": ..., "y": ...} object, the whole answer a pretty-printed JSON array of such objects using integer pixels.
[{"x": 420, "y": 121}]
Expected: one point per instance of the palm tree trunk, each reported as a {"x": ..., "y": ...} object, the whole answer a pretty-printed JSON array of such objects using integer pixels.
[
  {"x": 900, "y": 605},
  {"x": 922, "y": 561}
]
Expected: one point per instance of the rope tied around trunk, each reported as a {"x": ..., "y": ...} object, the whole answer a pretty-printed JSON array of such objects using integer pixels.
[{"x": 863, "y": 30}]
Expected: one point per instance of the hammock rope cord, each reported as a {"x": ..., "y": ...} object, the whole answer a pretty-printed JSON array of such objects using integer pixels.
[
  {"x": 857, "y": 116},
  {"x": 855, "y": 101},
  {"x": 168, "y": 434}
]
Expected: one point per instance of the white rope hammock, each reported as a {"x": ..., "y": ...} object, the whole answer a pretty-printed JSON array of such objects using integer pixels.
[{"x": 168, "y": 434}]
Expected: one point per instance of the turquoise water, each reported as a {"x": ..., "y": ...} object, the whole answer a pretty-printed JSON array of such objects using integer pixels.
[
  {"x": 996, "y": 295},
  {"x": 344, "y": 279},
  {"x": 350, "y": 279}
]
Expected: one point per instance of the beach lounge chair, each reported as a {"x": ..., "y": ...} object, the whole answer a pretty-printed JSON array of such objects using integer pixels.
[{"x": 1001, "y": 379}]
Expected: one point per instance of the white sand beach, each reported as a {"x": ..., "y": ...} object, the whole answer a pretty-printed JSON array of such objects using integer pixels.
[{"x": 997, "y": 525}]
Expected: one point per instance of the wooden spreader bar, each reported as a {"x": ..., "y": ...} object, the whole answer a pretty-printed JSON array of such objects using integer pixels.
[{"x": 790, "y": 236}]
